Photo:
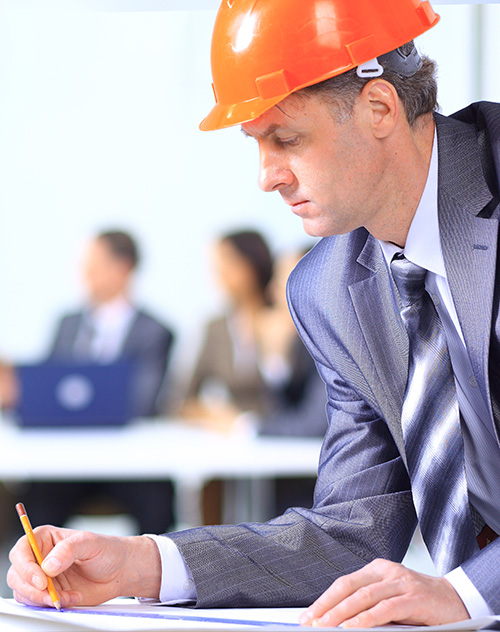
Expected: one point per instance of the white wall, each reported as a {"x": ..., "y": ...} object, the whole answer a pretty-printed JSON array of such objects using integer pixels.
[
  {"x": 99, "y": 127},
  {"x": 99, "y": 114}
]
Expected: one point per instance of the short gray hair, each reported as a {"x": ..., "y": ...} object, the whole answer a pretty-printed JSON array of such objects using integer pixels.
[{"x": 418, "y": 93}]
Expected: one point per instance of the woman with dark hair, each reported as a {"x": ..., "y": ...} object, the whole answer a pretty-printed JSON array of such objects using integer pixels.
[
  {"x": 253, "y": 373},
  {"x": 227, "y": 379}
]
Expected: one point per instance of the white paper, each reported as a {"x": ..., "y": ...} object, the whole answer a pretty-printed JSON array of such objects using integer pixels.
[{"x": 128, "y": 615}]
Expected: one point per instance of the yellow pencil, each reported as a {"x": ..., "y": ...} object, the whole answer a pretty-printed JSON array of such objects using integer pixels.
[{"x": 33, "y": 543}]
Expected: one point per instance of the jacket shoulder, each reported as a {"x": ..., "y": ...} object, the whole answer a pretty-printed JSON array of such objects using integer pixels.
[{"x": 148, "y": 323}]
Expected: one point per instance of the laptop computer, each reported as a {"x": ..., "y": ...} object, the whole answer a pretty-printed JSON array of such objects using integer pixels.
[{"x": 66, "y": 395}]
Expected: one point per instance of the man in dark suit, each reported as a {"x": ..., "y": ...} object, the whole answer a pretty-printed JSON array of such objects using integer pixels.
[
  {"x": 110, "y": 328},
  {"x": 342, "y": 108}
]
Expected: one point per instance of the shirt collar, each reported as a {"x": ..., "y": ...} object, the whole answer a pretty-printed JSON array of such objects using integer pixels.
[
  {"x": 115, "y": 311},
  {"x": 423, "y": 245}
]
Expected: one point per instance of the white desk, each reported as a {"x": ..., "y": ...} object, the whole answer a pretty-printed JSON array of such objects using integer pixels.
[{"x": 149, "y": 450}]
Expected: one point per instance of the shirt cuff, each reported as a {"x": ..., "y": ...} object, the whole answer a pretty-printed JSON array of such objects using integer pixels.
[
  {"x": 177, "y": 585},
  {"x": 468, "y": 593}
]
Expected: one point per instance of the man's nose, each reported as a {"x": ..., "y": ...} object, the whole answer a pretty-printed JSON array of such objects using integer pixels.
[{"x": 273, "y": 175}]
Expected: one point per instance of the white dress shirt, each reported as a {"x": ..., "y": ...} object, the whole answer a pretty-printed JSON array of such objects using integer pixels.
[
  {"x": 482, "y": 454},
  {"x": 110, "y": 324}
]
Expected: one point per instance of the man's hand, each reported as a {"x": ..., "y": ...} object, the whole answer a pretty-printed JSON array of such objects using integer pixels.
[
  {"x": 385, "y": 592},
  {"x": 88, "y": 569}
]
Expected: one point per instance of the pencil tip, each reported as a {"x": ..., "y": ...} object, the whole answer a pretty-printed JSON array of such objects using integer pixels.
[{"x": 57, "y": 604}]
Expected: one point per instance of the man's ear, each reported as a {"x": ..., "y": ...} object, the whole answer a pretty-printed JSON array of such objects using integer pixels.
[{"x": 381, "y": 107}]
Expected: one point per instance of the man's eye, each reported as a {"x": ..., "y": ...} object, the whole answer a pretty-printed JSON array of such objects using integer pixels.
[{"x": 289, "y": 141}]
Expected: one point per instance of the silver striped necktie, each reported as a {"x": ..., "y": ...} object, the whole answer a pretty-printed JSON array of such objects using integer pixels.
[{"x": 431, "y": 426}]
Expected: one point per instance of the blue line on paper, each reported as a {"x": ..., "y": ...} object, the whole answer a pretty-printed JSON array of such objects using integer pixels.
[{"x": 171, "y": 617}]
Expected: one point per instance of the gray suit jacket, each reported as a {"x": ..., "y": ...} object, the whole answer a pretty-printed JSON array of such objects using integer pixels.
[
  {"x": 148, "y": 345},
  {"x": 341, "y": 297}
]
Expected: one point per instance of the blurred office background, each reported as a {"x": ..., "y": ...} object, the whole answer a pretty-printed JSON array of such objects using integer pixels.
[{"x": 100, "y": 102}]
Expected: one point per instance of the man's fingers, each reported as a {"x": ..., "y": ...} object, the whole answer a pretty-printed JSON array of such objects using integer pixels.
[
  {"x": 339, "y": 590},
  {"x": 359, "y": 603},
  {"x": 30, "y": 571},
  {"x": 29, "y": 581},
  {"x": 65, "y": 553},
  {"x": 343, "y": 588},
  {"x": 382, "y": 613},
  {"x": 385, "y": 592},
  {"x": 27, "y": 592},
  {"x": 19, "y": 597}
]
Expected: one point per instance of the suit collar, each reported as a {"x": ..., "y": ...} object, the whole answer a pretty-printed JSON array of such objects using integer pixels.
[
  {"x": 464, "y": 166},
  {"x": 371, "y": 256}
]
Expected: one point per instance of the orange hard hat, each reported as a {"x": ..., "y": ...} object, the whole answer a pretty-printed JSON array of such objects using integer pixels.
[{"x": 263, "y": 50}]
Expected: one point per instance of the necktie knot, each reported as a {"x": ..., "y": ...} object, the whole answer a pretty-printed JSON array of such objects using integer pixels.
[{"x": 409, "y": 279}]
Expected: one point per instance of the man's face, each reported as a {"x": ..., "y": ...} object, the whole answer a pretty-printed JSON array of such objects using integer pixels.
[
  {"x": 330, "y": 173},
  {"x": 105, "y": 275}
]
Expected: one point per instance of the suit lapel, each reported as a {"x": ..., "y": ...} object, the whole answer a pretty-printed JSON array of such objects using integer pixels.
[
  {"x": 468, "y": 238},
  {"x": 133, "y": 336},
  {"x": 374, "y": 304}
]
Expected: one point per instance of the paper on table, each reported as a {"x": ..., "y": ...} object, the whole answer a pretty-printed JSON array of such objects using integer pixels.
[{"x": 128, "y": 615}]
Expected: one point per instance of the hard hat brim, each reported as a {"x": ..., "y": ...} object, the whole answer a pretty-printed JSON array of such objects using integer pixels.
[{"x": 222, "y": 116}]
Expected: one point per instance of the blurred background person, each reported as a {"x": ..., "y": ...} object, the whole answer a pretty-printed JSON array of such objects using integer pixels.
[
  {"x": 253, "y": 373},
  {"x": 9, "y": 386},
  {"x": 296, "y": 393},
  {"x": 227, "y": 379},
  {"x": 111, "y": 328}
]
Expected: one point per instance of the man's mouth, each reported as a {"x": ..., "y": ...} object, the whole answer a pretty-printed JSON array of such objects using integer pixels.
[{"x": 298, "y": 207}]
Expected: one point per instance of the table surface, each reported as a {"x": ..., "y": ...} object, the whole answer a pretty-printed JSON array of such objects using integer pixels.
[{"x": 148, "y": 450}]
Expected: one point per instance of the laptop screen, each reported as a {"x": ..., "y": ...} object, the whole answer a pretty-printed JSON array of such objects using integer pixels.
[{"x": 56, "y": 394}]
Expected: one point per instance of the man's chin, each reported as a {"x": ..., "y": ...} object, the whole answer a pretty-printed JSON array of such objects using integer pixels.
[{"x": 315, "y": 229}]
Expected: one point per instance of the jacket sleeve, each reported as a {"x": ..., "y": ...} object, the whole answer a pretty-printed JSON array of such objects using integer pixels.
[
  {"x": 482, "y": 570},
  {"x": 362, "y": 510}
]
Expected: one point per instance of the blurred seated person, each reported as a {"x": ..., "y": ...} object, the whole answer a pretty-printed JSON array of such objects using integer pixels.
[
  {"x": 227, "y": 379},
  {"x": 254, "y": 374},
  {"x": 297, "y": 396},
  {"x": 109, "y": 328},
  {"x": 9, "y": 386}
]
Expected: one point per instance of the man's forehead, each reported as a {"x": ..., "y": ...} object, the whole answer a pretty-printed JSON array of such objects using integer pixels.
[
  {"x": 281, "y": 116},
  {"x": 259, "y": 129}
]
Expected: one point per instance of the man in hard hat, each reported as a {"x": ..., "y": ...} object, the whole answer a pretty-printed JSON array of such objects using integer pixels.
[{"x": 399, "y": 308}]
